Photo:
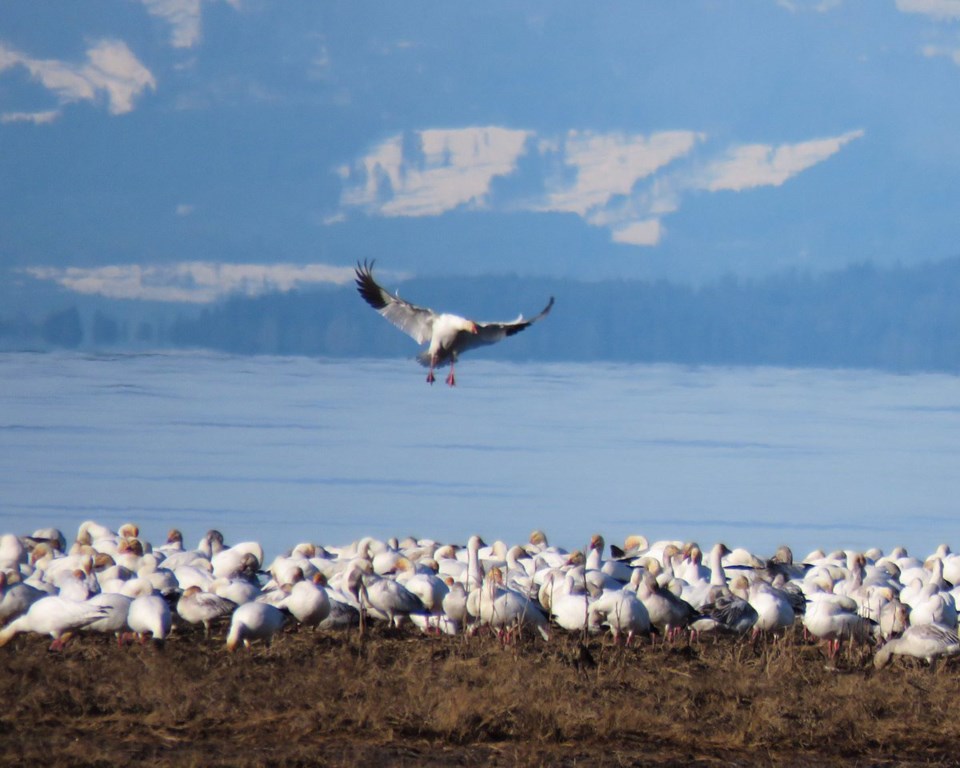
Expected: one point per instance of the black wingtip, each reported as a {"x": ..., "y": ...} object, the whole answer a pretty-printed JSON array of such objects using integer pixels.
[
  {"x": 545, "y": 311},
  {"x": 367, "y": 287},
  {"x": 364, "y": 271}
]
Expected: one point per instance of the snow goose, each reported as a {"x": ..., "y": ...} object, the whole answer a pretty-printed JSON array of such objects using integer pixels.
[
  {"x": 426, "y": 585},
  {"x": 192, "y": 557},
  {"x": 911, "y": 568},
  {"x": 163, "y": 579},
  {"x": 102, "y": 538},
  {"x": 703, "y": 584},
  {"x": 892, "y": 618},
  {"x": 537, "y": 542},
  {"x": 239, "y": 591},
  {"x": 554, "y": 586},
  {"x": 211, "y": 543},
  {"x": 782, "y": 563},
  {"x": 933, "y": 607},
  {"x": 385, "y": 561},
  {"x": 571, "y": 610},
  {"x": 726, "y": 613},
  {"x": 545, "y": 554},
  {"x": 434, "y": 624},
  {"x": 455, "y": 603},
  {"x": 174, "y": 543},
  {"x": 507, "y": 610},
  {"x": 667, "y": 612},
  {"x": 623, "y": 612},
  {"x": 49, "y": 567},
  {"x": 635, "y": 545},
  {"x": 343, "y": 612},
  {"x": 350, "y": 583},
  {"x": 113, "y": 578},
  {"x": 656, "y": 550},
  {"x": 388, "y": 599},
  {"x": 691, "y": 567},
  {"x": 194, "y": 575},
  {"x": 834, "y": 618},
  {"x": 447, "y": 335},
  {"x": 449, "y": 564},
  {"x": 75, "y": 586},
  {"x": 254, "y": 621},
  {"x": 290, "y": 569},
  {"x": 13, "y": 553},
  {"x": 115, "y": 621},
  {"x": 237, "y": 561},
  {"x": 951, "y": 567},
  {"x": 912, "y": 591},
  {"x": 137, "y": 587},
  {"x": 616, "y": 569},
  {"x": 308, "y": 601},
  {"x": 670, "y": 556},
  {"x": 149, "y": 615},
  {"x": 129, "y": 554},
  {"x": 742, "y": 558},
  {"x": 774, "y": 611},
  {"x": 16, "y": 597},
  {"x": 55, "y": 616},
  {"x": 52, "y": 537},
  {"x": 474, "y": 569},
  {"x": 520, "y": 570},
  {"x": 198, "y": 607},
  {"x": 925, "y": 641}
]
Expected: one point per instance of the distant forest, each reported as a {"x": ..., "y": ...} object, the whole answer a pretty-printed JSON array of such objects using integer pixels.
[{"x": 899, "y": 319}]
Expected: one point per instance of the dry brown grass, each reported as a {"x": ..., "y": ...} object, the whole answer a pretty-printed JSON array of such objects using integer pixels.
[{"x": 404, "y": 699}]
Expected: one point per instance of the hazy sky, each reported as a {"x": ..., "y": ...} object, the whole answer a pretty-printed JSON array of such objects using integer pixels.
[{"x": 181, "y": 149}]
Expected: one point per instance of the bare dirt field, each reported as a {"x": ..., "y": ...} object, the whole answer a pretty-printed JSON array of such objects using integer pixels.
[{"x": 400, "y": 698}]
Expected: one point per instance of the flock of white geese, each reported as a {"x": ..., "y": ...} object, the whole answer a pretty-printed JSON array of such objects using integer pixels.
[{"x": 115, "y": 582}]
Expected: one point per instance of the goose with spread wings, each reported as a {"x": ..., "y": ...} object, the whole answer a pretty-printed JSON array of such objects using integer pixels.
[{"x": 448, "y": 335}]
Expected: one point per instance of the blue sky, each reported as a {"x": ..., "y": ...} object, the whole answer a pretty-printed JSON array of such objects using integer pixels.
[{"x": 184, "y": 149}]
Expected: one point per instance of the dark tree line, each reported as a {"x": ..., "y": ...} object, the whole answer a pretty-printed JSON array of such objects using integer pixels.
[{"x": 896, "y": 319}]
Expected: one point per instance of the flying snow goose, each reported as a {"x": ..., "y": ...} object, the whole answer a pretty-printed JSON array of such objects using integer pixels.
[{"x": 448, "y": 335}]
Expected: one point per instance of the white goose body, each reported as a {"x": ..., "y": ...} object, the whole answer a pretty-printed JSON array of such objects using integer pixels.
[
  {"x": 447, "y": 335},
  {"x": 254, "y": 621},
  {"x": 55, "y": 616},
  {"x": 924, "y": 641},
  {"x": 149, "y": 615}
]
